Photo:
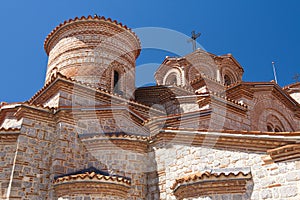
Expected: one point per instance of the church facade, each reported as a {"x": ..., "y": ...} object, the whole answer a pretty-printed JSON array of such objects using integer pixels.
[{"x": 199, "y": 133}]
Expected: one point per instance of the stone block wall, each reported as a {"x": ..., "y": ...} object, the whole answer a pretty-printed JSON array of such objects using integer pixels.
[
  {"x": 91, "y": 197},
  {"x": 44, "y": 150},
  {"x": 7, "y": 155},
  {"x": 271, "y": 181},
  {"x": 31, "y": 171},
  {"x": 224, "y": 117},
  {"x": 124, "y": 157},
  {"x": 107, "y": 122}
]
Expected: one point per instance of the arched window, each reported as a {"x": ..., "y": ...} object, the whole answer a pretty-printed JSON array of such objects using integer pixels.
[
  {"x": 274, "y": 124},
  {"x": 269, "y": 128},
  {"x": 227, "y": 80},
  {"x": 171, "y": 79},
  {"x": 277, "y": 129},
  {"x": 116, "y": 82}
]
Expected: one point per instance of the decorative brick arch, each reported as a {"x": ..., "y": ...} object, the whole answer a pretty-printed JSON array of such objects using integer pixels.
[
  {"x": 122, "y": 77},
  {"x": 108, "y": 77},
  {"x": 274, "y": 123},
  {"x": 228, "y": 76},
  {"x": 193, "y": 73},
  {"x": 171, "y": 74},
  {"x": 266, "y": 111},
  {"x": 204, "y": 68}
]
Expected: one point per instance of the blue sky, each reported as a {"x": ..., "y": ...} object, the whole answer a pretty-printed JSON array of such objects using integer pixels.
[{"x": 256, "y": 32}]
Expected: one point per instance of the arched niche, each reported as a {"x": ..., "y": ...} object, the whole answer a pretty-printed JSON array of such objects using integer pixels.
[
  {"x": 229, "y": 76},
  {"x": 274, "y": 124},
  {"x": 173, "y": 77}
]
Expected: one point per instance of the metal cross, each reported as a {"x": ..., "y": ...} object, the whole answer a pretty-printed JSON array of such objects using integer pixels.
[
  {"x": 296, "y": 77},
  {"x": 193, "y": 39}
]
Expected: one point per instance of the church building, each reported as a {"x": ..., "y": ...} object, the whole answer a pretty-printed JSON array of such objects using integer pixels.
[{"x": 201, "y": 133}]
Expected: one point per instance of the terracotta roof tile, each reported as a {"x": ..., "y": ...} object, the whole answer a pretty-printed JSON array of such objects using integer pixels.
[
  {"x": 116, "y": 136},
  {"x": 229, "y": 55},
  {"x": 38, "y": 106},
  {"x": 211, "y": 175},
  {"x": 92, "y": 174},
  {"x": 9, "y": 129},
  {"x": 9, "y": 134},
  {"x": 63, "y": 77},
  {"x": 5, "y": 105},
  {"x": 291, "y": 85}
]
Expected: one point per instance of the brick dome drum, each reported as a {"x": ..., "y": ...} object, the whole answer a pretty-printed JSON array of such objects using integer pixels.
[{"x": 91, "y": 49}]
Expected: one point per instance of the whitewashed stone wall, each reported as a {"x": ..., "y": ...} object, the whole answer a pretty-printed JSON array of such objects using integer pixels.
[
  {"x": 221, "y": 197},
  {"x": 53, "y": 102},
  {"x": 273, "y": 181},
  {"x": 296, "y": 96}
]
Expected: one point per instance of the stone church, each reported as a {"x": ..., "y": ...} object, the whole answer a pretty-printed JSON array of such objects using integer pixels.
[{"x": 200, "y": 133}]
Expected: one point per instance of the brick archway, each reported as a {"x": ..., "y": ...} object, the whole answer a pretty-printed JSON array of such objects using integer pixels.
[{"x": 264, "y": 109}]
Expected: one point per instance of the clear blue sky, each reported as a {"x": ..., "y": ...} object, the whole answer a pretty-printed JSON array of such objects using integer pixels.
[{"x": 256, "y": 32}]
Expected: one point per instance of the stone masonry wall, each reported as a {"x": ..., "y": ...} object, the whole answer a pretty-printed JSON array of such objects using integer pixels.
[
  {"x": 31, "y": 174},
  {"x": 45, "y": 150},
  {"x": 91, "y": 197},
  {"x": 271, "y": 181},
  {"x": 221, "y": 196},
  {"x": 108, "y": 121},
  {"x": 7, "y": 155},
  {"x": 126, "y": 158},
  {"x": 223, "y": 117}
]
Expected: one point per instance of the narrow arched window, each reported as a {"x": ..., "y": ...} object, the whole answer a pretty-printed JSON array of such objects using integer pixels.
[
  {"x": 116, "y": 81},
  {"x": 227, "y": 80},
  {"x": 277, "y": 129},
  {"x": 269, "y": 128},
  {"x": 171, "y": 79}
]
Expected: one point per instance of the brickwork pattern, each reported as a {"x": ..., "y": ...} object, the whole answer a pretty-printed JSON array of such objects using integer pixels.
[
  {"x": 87, "y": 50},
  {"x": 263, "y": 106}
]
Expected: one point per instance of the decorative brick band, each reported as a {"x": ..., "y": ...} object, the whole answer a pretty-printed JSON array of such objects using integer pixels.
[
  {"x": 285, "y": 153},
  {"x": 92, "y": 183},
  {"x": 208, "y": 183},
  {"x": 242, "y": 140}
]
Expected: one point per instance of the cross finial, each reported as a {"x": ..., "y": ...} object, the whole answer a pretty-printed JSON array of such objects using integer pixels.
[
  {"x": 193, "y": 39},
  {"x": 296, "y": 77}
]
